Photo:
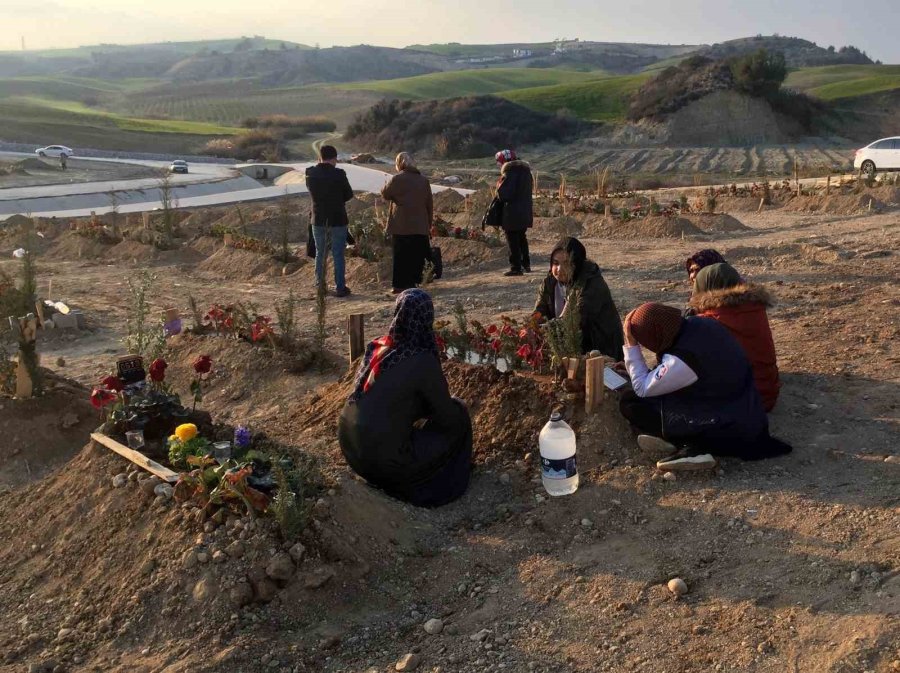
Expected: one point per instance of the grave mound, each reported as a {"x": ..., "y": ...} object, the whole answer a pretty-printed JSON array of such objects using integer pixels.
[{"x": 645, "y": 227}]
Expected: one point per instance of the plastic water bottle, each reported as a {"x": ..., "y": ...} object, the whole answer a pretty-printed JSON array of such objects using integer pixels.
[{"x": 557, "y": 446}]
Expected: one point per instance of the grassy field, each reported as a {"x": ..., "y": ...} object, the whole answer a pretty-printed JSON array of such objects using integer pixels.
[
  {"x": 845, "y": 81},
  {"x": 470, "y": 82},
  {"x": 45, "y": 122},
  {"x": 603, "y": 99}
]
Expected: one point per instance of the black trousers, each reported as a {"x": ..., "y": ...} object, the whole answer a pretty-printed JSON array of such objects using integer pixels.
[
  {"x": 410, "y": 253},
  {"x": 518, "y": 250}
]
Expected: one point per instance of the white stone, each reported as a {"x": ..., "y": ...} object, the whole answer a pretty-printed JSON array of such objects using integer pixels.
[
  {"x": 678, "y": 586},
  {"x": 120, "y": 480},
  {"x": 164, "y": 490}
]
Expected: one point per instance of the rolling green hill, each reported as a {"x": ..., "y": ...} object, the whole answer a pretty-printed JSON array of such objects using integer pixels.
[
  {"x": 458, "y": 83},
  {"x": 845, "y": 81},
  {"x": 604, "y": 99}
]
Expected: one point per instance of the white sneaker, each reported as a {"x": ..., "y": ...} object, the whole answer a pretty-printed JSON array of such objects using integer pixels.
[
  {"x": 704, "y": 461},
  {"x": 655, "y": 447}
]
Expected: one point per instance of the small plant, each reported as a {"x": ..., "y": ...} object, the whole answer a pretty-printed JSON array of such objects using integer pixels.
[
  {"x": 625, "y": 214},
  {"x": 563, "y": 334},
  {"x": 683, "y": 203},
  {"x": 766, "y": 194},
  {"x": 166, "y": 204},
  {"x": 186, "y": 442},
  {"x": 655, "y": 208},
  {"x": 321, "y": 290},
  {"x": 285, "y": 312},
  {"x": 284, "y": 229},
  {"x": 710, "y": 201},
  {"x": 202, "y": 368},
  {"x": 142, "y": 338},
  {"x": 287, "y": 506},
  {"x": 7, "y": 372}
]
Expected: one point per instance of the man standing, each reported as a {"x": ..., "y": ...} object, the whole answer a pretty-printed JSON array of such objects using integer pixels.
[
  {"x": 514, "y": 190},
  {"x": 330, "y": 190}
]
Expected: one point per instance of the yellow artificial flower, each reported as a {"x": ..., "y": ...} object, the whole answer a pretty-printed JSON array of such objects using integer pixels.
[
  {"x": 173, "y": 438},
  {"x": 186, "y": 432}
]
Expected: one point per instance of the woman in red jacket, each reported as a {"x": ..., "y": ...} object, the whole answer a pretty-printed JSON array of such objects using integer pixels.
[{"x": 720, "y": 293}]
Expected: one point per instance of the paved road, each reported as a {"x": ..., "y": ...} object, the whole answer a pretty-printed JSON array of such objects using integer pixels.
[{"x": 211, "y": 185}]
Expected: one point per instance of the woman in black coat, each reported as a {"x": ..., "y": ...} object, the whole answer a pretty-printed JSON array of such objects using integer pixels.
[
  {"x": 515, "y": 189},
  {"x": 574, "y": 276},
  {"x": 400, "y": 429}
]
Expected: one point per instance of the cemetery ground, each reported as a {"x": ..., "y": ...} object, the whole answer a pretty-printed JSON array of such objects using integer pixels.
[{"x": 791, "y": 564}]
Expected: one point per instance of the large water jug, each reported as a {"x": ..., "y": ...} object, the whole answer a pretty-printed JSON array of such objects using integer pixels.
[{"x": 557, "y": 445}]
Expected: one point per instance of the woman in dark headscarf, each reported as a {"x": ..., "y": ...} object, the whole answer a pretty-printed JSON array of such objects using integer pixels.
[
  {"x": 573, "y": 277},
  {"x": 400, "y": 429},
  {"x": 721, "y": 294},
  {"x": 700, "y": 395},
  {"x": 700, "y": 259}
]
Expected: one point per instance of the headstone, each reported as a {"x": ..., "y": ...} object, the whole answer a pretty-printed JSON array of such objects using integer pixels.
[{"x": 130, "y": 368}]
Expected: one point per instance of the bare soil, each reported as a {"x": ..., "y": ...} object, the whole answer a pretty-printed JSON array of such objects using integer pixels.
[
  {"x": 791, "y": 564},
  {"x": 32, "y": 172}
]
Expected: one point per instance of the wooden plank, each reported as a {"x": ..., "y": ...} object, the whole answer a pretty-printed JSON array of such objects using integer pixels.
[
  {"x": 136, "y": 457},
  {"x": 593, "y": 383},
  {"x": 356, "y": 330}
]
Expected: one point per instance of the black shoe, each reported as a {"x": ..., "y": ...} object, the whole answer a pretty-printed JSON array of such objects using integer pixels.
[
  {"x": 513, "y": 272},
  {"x": 343, "y": 292},
  {"x": 527, "y": 268}
]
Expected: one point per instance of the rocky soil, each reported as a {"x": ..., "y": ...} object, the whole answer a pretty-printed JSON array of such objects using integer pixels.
[{"x": 791, "y": 564}]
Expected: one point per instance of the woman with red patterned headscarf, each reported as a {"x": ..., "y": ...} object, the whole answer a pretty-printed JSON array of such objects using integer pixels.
[
  {"x": 400, "y": 429},
  {"x": 700, "y": 397}
]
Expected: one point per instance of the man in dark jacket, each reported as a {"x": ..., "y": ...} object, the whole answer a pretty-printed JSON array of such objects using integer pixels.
[
  {"x": 330, "y": 190},
  {"x": 514, "y": 190}
]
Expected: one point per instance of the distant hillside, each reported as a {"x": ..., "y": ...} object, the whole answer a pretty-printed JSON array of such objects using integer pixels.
[
  {"x": 456, "y": 128},
  {"x": 605, "y": 99},
  {"x": 469, "y": 82},
  {"x": 798, "y": 53},
  {"x": 845, "y": 81}
]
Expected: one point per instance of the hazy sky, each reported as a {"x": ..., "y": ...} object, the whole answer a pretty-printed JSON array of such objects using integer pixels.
[{"x": 871, "y": 25}]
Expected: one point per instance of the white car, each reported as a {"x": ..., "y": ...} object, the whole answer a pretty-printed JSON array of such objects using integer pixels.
[
  {"x": 882, "y": 155},
  {"x": 179, "y": 166},
  {"x": 54, "y": 151}
]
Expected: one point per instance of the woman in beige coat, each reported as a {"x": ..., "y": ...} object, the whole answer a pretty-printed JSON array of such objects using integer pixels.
[{"x": 409, "y": 222}]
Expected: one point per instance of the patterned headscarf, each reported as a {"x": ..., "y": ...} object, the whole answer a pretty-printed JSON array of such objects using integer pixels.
[
  {"x": 703, "y": 258},
  {"x": 505, "y": 155},
  {"x": 655, "y": 326},
  {"x": 716, "y": 277},
  {"x": 411, "y": 333}
]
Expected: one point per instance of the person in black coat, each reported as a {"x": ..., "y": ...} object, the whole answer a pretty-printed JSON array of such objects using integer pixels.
[
  {"x": 330, "y": 190},
  {"x": 573, "y": 276},
  {"x": 400, "y": 429},
  {"x": 515, "y": 189}
]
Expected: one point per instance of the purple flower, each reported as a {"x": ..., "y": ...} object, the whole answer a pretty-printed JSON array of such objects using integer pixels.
[{"x": 242, "y": 437}]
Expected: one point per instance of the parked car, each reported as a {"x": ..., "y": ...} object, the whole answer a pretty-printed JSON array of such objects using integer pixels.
[
  {"x": 179, "y": 166},
  {"x": 54, "y": 151},
  {"x": 882, "y": 155}
]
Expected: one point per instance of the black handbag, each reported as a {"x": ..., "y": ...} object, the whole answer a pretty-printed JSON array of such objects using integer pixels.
[
  {"x": 494, "y": 215},
  {"x": 437, "y": 262}
]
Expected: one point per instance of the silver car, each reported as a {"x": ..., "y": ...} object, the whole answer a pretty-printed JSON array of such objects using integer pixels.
[{"x": 54, "y": 151}]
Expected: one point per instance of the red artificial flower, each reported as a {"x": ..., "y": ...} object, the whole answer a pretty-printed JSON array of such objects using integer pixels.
[
  {"x": 524, "y": 351},
  {"x": 100, "y": 397},
  {"x": 158, "y": 370},
  {"x": 260, "y": 328},
  {"x": 492, "y": 329},
  {"x": 507, "y": 330},
  {"x": 203, "y": 364},
  {"x": 523, "y": 333},
  {"x": 441, "y": 344},
  {"x": 113, "y": 383},
  {"x": 495, "y": 345}
]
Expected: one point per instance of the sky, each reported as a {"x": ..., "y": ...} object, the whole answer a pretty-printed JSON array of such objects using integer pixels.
[{"x": 398, "y": 23}]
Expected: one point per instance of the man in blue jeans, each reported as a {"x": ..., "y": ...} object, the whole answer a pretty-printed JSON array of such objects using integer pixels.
[{"x": 330, "y": 190}]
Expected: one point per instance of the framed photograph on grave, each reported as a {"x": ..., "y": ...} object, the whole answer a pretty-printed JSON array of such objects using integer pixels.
[{"x": 130, "y": 369}]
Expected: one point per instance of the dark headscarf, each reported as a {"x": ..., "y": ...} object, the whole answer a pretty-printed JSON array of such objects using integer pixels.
[
  {"x": 411, "y": 332},
  {"x": 655, "y": 326},
  {"x": 716, "y": 277},
  {"x": 703, "y": 258},
  {"x": 577, "y": 254}
]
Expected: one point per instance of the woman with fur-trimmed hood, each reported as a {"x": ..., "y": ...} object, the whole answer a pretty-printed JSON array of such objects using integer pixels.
[
  {"x": 720, "y": 293},
  {"x": 514, "y": 189}
]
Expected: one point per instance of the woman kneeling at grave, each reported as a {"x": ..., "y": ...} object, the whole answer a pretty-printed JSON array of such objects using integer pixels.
[
  {"x": 400, "y": 429},
  {"x": 574, "y": 277},
  {"x": 700, "y": 400},
  {"x": 721, "y": 294}
]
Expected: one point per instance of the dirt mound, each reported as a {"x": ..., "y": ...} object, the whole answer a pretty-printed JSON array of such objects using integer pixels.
[
  {"x": 647, "y": 227},
  {"x": 41, "y": 433},
  {"x": 788, "y": 254},
  {"x": 71, "y": 246},
  {"x": 460, "y": 253},
  {"x": 361, "y": 203},
  {"x": 836, "y": 204},
  {"x": 240, "y": 264},
  {"x": 449, "y": 201},
  {"x": 715, "y": 223},
  {"x": 33, "y": 164}
]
